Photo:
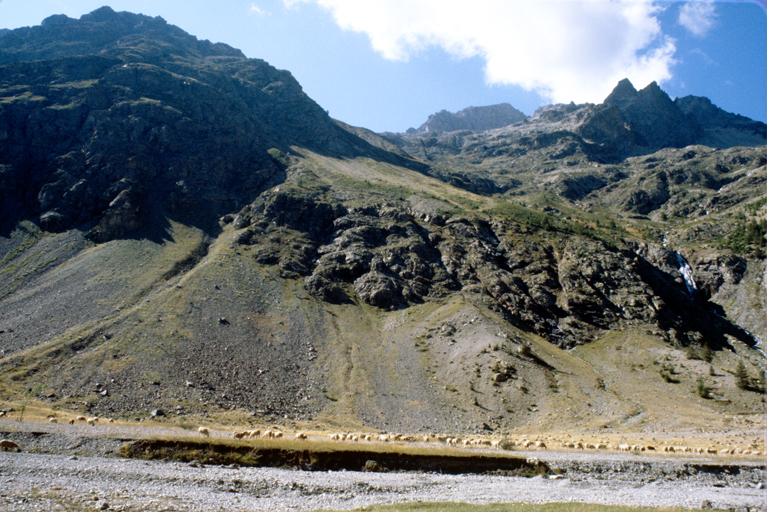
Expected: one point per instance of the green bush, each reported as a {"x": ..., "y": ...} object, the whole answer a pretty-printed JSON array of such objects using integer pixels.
[{"x": 704, "y": 391}]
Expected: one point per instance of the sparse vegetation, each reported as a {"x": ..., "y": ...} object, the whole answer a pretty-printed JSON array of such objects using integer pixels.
[
  {"x": 704, "y": 391},
  {"x": 748, "y": 236},
  {"x": 667, "y": 373},
  {"x": 741, "y": 376}
]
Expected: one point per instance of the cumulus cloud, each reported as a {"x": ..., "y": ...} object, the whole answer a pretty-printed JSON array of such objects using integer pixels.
[
  {"x": 698, "y": 17},
  {"x": 566, "y": 50}
]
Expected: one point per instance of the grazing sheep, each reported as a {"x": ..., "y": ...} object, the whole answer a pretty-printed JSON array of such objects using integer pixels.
[
  {"x": 2, "y": 413},
  {"x": 204, "y": 431},
  {"x": 601, "y": 446},
  {"x": 72, "y": 421},
  {"x": 367, "y": 437},
  {"x": 239, "y": 435},
  {"x": 92, "y": 421},
  {"x": 540, "y": 444},
  {"x": 111, "y": 420},
  {"x": 53, "y": 420},
  {"x": 267, "y": 434},
  {"x": 711, "y": 451},
  {"x": 590, "y": 446},
  {"x": 495, "y": 443},
  {"x": 300, "y": 435},
  {"x": 254, "y": 433},
  {"x": 623, "y": 447},
  {"x": 277, "y": 434},
  {"x": 383, "y": 438},
  {"x": 7, "y": 444},
  {"x": 81, "y": 418}
]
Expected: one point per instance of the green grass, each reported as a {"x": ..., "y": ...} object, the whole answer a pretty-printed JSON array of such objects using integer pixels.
[{"x": 509, "y": 507}]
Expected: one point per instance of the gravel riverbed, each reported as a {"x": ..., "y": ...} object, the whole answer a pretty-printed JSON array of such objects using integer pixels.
[
  {"x": 72, "y": 469},
  {"x": 45, "y": 482}
]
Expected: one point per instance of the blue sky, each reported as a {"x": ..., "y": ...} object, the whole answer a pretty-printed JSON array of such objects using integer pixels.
[{"x": 387, "y": 64}]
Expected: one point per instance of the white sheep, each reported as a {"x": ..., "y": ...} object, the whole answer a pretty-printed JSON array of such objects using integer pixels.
[
  {"x": 53, "y": 420},
  {"x": 300, "y": 435},
  {"x": 204, "y": 431},
  {"x": 92, "y": 421},
  {"x": 239, "y": 435}
]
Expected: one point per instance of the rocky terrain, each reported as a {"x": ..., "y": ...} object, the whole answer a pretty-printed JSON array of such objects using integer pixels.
[{"x": 182, "y": 228}]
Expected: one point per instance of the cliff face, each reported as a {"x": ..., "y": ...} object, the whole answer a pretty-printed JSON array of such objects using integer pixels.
[{"x": 133, "y": 116}]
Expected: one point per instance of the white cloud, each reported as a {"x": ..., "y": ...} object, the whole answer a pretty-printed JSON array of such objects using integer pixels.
[
  {"x": 698, "y": 17},
  {"x": 254, "y": 9},
  {"x": 567, "y": 50}
]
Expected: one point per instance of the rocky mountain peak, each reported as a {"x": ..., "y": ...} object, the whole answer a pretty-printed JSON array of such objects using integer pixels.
[
  {"x": 106, "y": 32},
  {"x": 476, "y": 119},
  {"x": 623, "y": 95}
]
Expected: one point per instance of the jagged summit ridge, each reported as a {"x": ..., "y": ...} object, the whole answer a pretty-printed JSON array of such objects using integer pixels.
[
  {"x": 103, "y": 31},
  {"x": 473, "y": 119},
  {"x": 628, "y": 122}
]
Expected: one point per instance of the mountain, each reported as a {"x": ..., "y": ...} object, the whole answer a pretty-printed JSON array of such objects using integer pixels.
[
  {"x": 472, "y": 118},
  {"x": 183, "y": 228},
  {"x": 134, "y": 119}
]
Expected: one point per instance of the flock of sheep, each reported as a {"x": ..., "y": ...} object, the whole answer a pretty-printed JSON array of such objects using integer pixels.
[
  {"x": 506, "y": 443},
  {"x": 468, "y": 442}
]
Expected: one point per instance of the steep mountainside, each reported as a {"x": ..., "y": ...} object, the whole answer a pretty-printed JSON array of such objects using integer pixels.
[{"x": 182, "y": 226}]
